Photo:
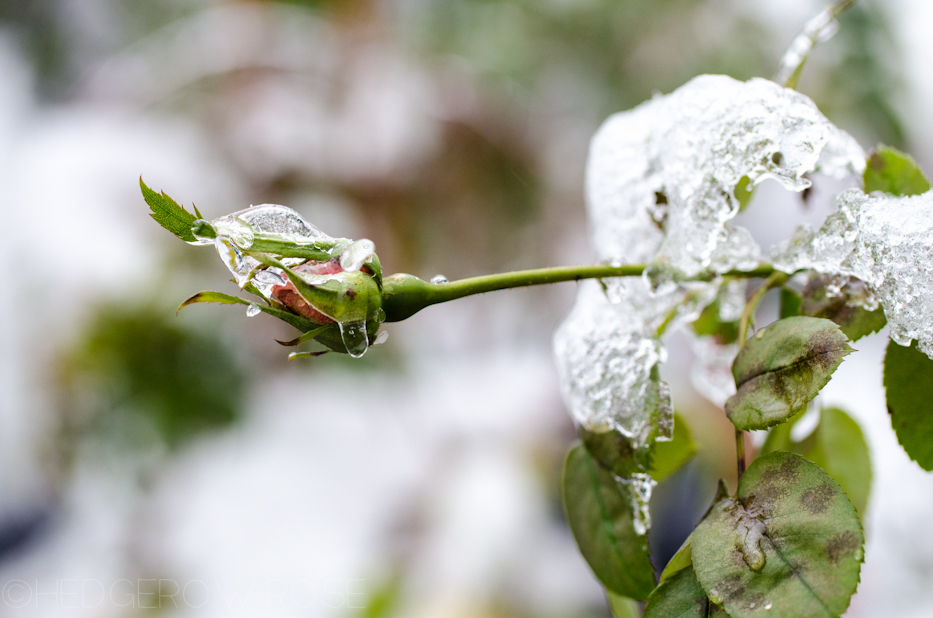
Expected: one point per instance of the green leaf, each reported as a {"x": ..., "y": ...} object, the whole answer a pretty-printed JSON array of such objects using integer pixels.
[
  {"x": 854, "y": 321},
  {"x": 790, "y": 544},
  {"x": 783, "y": 367},
  {"x": 681, "y": 596},
  {"x": 908, "y": 384},
  {"x": 601, "y": 519},
  {"x": 894, "y": 172},
  {"x": 168, "y": 213},
  {"x": 301, "y": 323},
  {"x": 669, "y": 456},
  {"x": 790, "y": 303},
  {"x": 622, "y": 607}
]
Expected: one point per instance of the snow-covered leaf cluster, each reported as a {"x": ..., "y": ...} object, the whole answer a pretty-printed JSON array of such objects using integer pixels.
[{"x": 661, "y": 186}]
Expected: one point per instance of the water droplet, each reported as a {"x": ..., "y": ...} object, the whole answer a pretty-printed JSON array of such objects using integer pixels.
[
  {"x": 200, "y": 239},
  {"x": 354, "y": 338},
  {"x": 356, "y": 254},
  {"x": 252, "y": 310},
  {"x": 381, "y": 338},
  {"x": 438, "y": 279},
  {"x": 270, "y": 276}
]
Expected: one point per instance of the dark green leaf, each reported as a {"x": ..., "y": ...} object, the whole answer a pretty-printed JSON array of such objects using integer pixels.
[
  {"x": 680, "y": 596},
  {"x": 790, "y": 303},
  {"x": 783, "y": 367},
  {"x": 168, "y": 213},
  {"x": 601, "y": 519},
  {"x": 894, "y": 172},
  {"x": 622, "y": 607},
  {"x": 671, "y": 455},
  {"x": 789, "y": 546},
  {"x": 854, "y": 321},
  {"x": 908, "y": 384}
]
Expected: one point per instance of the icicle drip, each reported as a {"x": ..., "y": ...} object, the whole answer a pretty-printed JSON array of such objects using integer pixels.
[
  {"x": 638, "y": 488},
  {"x": 887, "y": 243}
]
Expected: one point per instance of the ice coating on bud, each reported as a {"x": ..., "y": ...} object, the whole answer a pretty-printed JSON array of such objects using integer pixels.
[
  {"x": 279, "y": 220},
  {"x": 887, "y": 243},
  {"x": 607, "y": 361},
  {"x": 661, "y": 178},
  {"x": 356, "y": 254}
]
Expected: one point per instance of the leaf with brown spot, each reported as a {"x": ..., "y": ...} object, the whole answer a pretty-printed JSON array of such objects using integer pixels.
[
  {"x": 781, "y": 368},
  {"x": 792, "y": 514}
]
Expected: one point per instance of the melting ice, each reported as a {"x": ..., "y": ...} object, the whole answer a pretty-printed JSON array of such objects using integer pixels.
[
  {"x": 660, "y": 190},
  {"x": 887, "y": 243}
]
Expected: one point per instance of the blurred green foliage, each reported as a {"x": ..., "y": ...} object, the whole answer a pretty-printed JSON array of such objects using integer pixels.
[{"x": 139, "y": 372}]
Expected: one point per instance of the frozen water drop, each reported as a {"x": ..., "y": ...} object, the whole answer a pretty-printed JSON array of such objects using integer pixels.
[
  {"x": 356, "y": 254},
  {"x": 253, "y": 310},
  {"x": 354, "y": 338},
  {"x": 752, "y": 605},
  {"x": 270, "y": 276},
  {"x": 438, "y": 279},
  {"x": 381, "y": 338},
  {"x": 767, "y": 605},
  {"x": 198, "y": 225}
]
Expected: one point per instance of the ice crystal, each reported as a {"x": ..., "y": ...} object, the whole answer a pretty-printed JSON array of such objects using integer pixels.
[
  {"x": 711, "y": 372},
  {"x": 607, "y": 360},
  {"x": 887, "y": 243},
  {"x": 818, "y": 30},
  {"x": 661, "y": 178}
]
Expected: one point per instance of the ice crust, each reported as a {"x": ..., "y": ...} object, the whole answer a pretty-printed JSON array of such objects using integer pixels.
[
  {"x": 887, "y": 243},
  {"x": 605, "y": 358},
  {"x": 660, "y": 190},
  {"x": 691, "y": 148}
]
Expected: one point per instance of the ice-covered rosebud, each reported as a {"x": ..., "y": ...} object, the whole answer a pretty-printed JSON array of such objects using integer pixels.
[{"x": 330, "y": 288}]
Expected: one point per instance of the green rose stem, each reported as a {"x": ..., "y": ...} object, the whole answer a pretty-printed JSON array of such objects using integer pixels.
[
  {"x": 775, "y": 279},
  {"x": 405, "y": 295}
]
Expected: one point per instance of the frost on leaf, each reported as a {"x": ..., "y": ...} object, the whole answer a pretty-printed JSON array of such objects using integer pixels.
[
  {"x": 607, "y": 360},
  {"x": 887, "y": 243},
  {"x": 661, "y": 178}
]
